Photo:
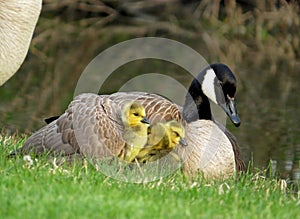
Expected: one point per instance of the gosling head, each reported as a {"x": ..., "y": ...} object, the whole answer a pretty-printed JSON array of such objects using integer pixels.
[
  {"x": 134, "y": 114},
  {"x": 176, "y": 133}
]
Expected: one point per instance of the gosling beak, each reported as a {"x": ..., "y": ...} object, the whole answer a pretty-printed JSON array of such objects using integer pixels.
[
  {"x": 231, "y": 111},
  {"x": 183, "y": 142},
  {"x": 145, "y": 120}
]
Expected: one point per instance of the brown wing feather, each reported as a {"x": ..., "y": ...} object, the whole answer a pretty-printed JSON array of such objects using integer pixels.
[
  {"x": 157, "y": 108},
  {"x": 97, "y": 125},
  {"x": 240, "y": 164},
  {"x": 48, "y": 139},
  {"x": 91, "y": 125}
]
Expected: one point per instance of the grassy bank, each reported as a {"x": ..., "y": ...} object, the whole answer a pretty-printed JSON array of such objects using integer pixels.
[{"x": 43, "y": 190}]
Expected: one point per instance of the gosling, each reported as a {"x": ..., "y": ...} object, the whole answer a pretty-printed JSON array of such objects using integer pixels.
[
  {"x": 135, "y": 130},
  {"x": 162, "y": 138}
]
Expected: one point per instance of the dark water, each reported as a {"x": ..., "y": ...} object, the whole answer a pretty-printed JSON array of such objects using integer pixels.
[{"x": 269, "y": 108}]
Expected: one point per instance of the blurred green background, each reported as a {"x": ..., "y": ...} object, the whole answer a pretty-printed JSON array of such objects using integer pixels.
[{"x": 258, "y": 40}]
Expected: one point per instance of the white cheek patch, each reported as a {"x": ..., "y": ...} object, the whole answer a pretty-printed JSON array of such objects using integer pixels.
[{"x": 208, "y": 85}]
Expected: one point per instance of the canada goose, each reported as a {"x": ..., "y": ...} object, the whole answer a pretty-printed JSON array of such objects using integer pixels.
[
  {"x": 86, "y": 127},
  {"x": 135, "y": 130},
  {"x": 17, "y": 22},
  {"x": 162, "y": 138},
  {"x": 223, "y": 93}
]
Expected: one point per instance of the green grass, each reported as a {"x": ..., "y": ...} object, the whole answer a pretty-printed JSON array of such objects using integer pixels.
[{"x": 44, "y": 190}]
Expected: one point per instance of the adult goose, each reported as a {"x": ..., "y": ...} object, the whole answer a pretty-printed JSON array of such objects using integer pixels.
[
  {"x": 214, "y": 157},
  {"x": 88, "y": 125},
  {"x": 17, "y": 22}
]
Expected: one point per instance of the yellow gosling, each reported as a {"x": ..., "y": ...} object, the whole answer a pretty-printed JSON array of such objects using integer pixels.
[
  {"x": 162, "y": 138},
  {"x": 135, "y": 130}
]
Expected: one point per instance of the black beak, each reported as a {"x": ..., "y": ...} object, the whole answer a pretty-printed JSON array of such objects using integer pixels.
[
  {"x": 183, "y": 142},
  {"x": 231, "y": 111},
  {"x": 145, "y": 120}
]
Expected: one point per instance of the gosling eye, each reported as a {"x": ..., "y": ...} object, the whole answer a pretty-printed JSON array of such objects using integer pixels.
[
  {"x": 135, "y": 114},
  {"x": 176, "y": 134}
]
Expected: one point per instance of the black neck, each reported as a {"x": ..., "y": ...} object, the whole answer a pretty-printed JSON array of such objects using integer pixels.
[{"x": 196, "y": 104}]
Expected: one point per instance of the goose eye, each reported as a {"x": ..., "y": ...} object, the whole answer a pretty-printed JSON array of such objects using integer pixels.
[{"x": 135, "y": 114}]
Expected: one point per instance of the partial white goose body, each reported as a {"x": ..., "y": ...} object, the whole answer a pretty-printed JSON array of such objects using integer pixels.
[
  {"x": 18, "y": 19},
  {"x": 209, "y": 151}
]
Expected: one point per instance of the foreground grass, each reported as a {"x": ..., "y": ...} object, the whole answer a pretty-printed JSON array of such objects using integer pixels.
[{"x": 44, "y": 190}]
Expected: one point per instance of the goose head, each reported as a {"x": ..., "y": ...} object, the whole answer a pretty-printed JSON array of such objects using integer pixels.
[
  {"x": 217, "y": 83},
  {"x": 134, "y": 115},
  {"x": 176, "y": 133}
]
